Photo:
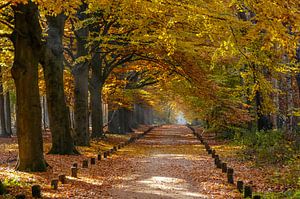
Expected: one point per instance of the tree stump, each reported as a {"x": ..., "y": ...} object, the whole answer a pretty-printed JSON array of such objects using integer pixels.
[
  {"x": 85, "y": 164},
  {"x": 74, "y": 171},
  {"x": 20, "y": 196},
  {"x": 247, "y": 191},
  {"x": 99, "y": 156},
  {"x": 224, "y": 167},
  {"x": 230, "y": 175},
  {"x": 36, "y": 191},
  {"x": 62, "y": 179},
  {"x": 240, "y": 186},
  {"x": 93, "y": 161},
  {"x": 54, "y": 184}
]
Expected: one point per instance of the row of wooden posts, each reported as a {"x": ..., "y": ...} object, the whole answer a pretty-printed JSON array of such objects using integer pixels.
[
  {"x": 247, "y": 189},
  {"x": 36, "y": 189}
]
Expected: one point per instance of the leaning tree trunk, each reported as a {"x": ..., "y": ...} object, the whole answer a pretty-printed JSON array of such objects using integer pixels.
[
  {"x": 27, "y": 44},
  {"x": 96, "y": 87},
  {"x": 8, "y": 113},
  {"x": 3, "y": 131},
  {"x": 62, "y": 141},
  {"x": 81, "y": 75}
]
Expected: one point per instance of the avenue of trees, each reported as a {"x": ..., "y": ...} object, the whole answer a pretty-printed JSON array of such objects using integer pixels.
[{"x": 233, "y": 64}]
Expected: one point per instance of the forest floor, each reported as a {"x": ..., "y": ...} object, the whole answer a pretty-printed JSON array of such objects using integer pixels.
[{"x": 168, "y": 163}]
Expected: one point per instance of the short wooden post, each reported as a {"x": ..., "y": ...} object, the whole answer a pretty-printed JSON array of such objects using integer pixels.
[
  {"x": 75, "y": 165},
  {"x": 230, "y": 175},
  {"x": 93, "y": 161},
  {"x": 99, "y": 156},
  {"x": 209, "y": 151},
  {"x": 119, "y": 146},
  {"x": 54, "y": 184},
  {"x": 105, "y": 154},
  {"x": 2, "y": 189},
  {"x": 74, "y": 171},
  {"x": 62, "y": 178},
  {"x": 115, "y": 149},
  {"x": 219, "y": 164},
  {"x": 20, "y": 196},
  {"x": 247, "y": 191},
  {"x": 213, "y": 153},
  {"x": 36, "y": 191},
  {"x": 85, "y": 164},
  {"x": 240, "y": 186},
  {"x": 216, "y": 159},
  {"x": 224, "y": 167},
  {"x": 256, "y": 197}
]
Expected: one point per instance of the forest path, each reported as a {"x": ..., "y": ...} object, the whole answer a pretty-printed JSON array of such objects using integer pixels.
[{"x": 169, "y": 163}]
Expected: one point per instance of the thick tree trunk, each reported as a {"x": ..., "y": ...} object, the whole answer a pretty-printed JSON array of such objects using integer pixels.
[
  {"x": 27, "y": 44},
  {"x": 3, "y": 131},
  {"x": 80, "y": 73},
  {"x": 124, "y": 120},
  {"x": 8, "y": 113},
  {"x": 62, "y": 141},
  {"x": 96, "y": 86}
]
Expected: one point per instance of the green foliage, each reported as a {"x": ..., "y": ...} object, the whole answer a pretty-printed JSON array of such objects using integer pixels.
[{"x": 267, "y": 146}]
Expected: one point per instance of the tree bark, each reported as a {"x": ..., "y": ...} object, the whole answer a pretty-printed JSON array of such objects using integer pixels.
[
  {"x": 62, "y": 141},
  {"x": 8, "y": 113},
  {"x": 3, "y": 131},
  {"x": 27, "y": 44},
  {"x": 81, "y": 75},
  {"x": 96, "y": 86}
]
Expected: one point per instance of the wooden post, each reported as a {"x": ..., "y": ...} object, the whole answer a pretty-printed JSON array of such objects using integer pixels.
[
  {"x": 224, "y": 167},
  {"x": 240, "y": 186},
  {"x": 85, "y": 164},
  {"x": 2, "y": 189},
  {"x": 213, "y": 153},
  {"x": 54, "y": 184},
  {"x": 75, "y": 165},
  {"x": 105, "y": 154},
  {"x": 20, "y": 196},
  {"x": 62, "y": 178},
  {"x": 74, "y": 172},
  {"x": 119, "y": 146},
  {"x": 216, "y": 159},
  {"x": 209, "y": 151},
  {"x": 230, "y": 175},
  {"x": 115, "y": 149},
  {"x": 36, "y": 191},
  {"x": 247, "y": 191},
  {"x": 99, "y": 156},
  {"x": 93, "y": 161}
]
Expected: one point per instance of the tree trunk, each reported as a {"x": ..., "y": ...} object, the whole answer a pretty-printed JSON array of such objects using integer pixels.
[
  {"x": 263, "y": 121},
  {"x": 289, "y": 105},
  {"x": 27, "y": 44},
  {"x": 113, "y": 121},
  {"x": 96, "y": 87},
  {"x": 80, "y": 73},
  {"x": 3, "y": 131},
  {"x": 8, "y": 113},
  {"x": 124, "y": 120},
  {"x": 62, "y": 141}
]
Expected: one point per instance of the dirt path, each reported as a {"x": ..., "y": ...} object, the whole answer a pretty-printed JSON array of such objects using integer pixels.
[{"x": 170, "y": 163}]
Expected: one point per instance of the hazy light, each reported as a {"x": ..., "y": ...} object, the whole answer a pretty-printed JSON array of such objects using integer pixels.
[{"x": 180, "y": 118}]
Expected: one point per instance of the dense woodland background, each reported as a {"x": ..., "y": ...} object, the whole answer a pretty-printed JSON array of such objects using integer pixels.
[{"x": 82, "y": 67}]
